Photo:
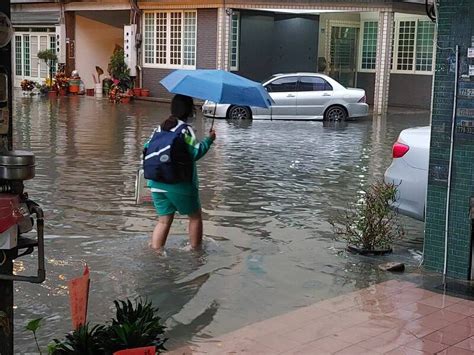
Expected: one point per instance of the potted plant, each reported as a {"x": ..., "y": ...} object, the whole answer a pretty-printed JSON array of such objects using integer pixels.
[
  {"x": 27, "y": 86},
  {"x": 43, "y": 89},
  {"x": 107, "y": 85},
  {"x": 119, "y": 71},
  {"x": 61, "y": 83},
  {"x": 136, "y": 325},
  {"x": 125, "y": 98},
  {"x": 115, "y": 93},
  {"x": 50, "y": 59},
  {"x": 370, "y": 225},
  {"x": 137, "y": 91}
]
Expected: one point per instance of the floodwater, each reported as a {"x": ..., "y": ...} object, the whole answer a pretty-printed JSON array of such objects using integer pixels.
[{"x": 268, "y": 189}]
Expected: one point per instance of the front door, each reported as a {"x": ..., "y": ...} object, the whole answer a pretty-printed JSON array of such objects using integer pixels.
[
  {"x": 343, "y": 55},
  {"x": 27, "y": 65}
]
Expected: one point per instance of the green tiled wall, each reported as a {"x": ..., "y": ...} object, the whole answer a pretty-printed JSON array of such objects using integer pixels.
[{"x": 456, "y": 27}]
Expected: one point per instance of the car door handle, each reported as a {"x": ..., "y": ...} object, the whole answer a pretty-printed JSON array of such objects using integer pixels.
[
  {"x": 290, "y": 95},
  {"x": 326, "y": 94}
]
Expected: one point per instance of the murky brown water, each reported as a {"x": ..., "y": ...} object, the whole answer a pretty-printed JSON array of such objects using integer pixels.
[{"x": 268, "y": 189}]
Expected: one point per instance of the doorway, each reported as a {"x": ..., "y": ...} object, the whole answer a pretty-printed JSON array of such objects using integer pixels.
[{"x": 343, "y": 53}]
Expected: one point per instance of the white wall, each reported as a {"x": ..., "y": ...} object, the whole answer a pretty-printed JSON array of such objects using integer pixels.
[{"x": 95, "y": 43}]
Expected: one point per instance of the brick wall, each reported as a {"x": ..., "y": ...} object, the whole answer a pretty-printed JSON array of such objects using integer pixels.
[
  {"x": 405, "y": 90},
  {"x": 151, "y": 81},
  {"x": 206, "y": 53},
  {"x": 456, "y": 26},
  {"x": 206, "y": 39}
]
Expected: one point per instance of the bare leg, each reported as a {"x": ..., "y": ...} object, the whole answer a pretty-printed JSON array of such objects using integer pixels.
[
  {"x": 195, "y": 230},
  {"x": 160, "y": 233}
]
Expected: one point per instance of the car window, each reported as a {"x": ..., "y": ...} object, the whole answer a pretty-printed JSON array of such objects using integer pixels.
[
  {"x": 313, "y": 83},
  {"x": 287, "y": 84},
  {"x": 270, "y": 78}
]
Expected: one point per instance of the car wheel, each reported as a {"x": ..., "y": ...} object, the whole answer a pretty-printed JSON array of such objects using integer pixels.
[
  {"x": 239, "y": 113},
  {"x": 335, "y": 113}
]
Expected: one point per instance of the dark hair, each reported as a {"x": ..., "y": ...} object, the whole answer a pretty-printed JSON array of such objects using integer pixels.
[{"x": 181, "y": 108}]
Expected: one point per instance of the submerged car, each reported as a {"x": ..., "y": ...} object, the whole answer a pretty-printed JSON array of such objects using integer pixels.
[
  {"x": 409, "y": 171},
  {"x": 299, "y": 96}
]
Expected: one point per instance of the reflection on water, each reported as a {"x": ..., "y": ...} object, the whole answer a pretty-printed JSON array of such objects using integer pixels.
[{"x": 268, "y": 190}]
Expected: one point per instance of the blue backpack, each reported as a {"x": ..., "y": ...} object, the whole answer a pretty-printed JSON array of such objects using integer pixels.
[{"x": 166, "y": 159}]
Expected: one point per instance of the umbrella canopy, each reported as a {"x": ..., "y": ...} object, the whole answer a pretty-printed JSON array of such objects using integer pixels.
[{"x": 218, "y": 86}]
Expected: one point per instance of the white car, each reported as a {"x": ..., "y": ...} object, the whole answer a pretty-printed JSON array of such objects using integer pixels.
[
  {"x": 409, "y": 171},
  {"x": 299, "y": 96}
]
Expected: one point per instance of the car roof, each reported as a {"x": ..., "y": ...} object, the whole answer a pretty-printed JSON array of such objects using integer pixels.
[
  {"x": 300, "y": 74},
  {"x": 324, "y": 76}
]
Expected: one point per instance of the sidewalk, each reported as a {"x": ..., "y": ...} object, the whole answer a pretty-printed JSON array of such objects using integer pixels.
[{"x": 394, "y": 317}]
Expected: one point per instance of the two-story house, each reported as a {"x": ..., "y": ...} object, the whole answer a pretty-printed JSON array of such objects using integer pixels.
[
  {"x": 383, "y": 46},
  {"x": 84, "y": 34}
]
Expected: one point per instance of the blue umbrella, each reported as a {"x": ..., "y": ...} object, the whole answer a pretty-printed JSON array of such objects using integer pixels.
[{"x": 218, "y": 86}]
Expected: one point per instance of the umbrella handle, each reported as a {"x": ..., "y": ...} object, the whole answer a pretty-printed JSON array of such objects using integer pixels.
[{"x": 214, "y": 117}]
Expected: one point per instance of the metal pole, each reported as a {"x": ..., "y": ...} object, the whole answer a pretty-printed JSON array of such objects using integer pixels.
[
  {"x": 450, "y": 168},
  {"x": 6, "y": 257}
]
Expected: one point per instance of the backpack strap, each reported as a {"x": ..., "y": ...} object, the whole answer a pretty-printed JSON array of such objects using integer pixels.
[{"x": 180, "y": 124}]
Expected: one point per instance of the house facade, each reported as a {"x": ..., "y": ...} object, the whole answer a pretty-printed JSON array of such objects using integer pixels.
[
  {"x": 381, "y": 46},
  {"x": 83, "y": 33},
  {"x": 35, "y": 26}
]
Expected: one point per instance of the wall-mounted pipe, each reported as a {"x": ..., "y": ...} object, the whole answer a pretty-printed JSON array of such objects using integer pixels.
[{"x": 450, "y": 168}]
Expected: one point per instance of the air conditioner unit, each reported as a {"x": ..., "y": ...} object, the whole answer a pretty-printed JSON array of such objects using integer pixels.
[
  {"x": 61, "y": 43},
  {"x": 129, "y": 47}
]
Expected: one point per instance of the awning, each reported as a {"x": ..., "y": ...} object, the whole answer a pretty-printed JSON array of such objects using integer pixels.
[{"x": 35, "y": 18}]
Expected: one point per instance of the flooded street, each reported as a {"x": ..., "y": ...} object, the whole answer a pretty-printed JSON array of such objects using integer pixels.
[{"x": 268, "y": 189}]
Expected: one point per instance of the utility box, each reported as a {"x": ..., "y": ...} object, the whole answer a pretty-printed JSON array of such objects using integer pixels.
[
  {"x": 61, "y": 43},
  {"x": 129, "y": 47}
]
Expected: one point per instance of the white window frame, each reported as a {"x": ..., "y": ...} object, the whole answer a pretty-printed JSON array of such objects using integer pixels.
[
  {"x": 237, "y": 42},
  {"x": 361, "y": 46},
  {"x": 395, "y": 50},
  {"x": 168, "y": 41},
  {"x": 30, "y": 32},
  {"x": 396, "y": 32}
]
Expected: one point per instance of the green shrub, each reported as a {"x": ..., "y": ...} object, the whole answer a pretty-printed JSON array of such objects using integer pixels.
[
  {"x": 119, "y": 70},
  {"x": 371, "y": 223},
  {"x": 82, "y": 341},
  {"x": 135, "y": 325}
]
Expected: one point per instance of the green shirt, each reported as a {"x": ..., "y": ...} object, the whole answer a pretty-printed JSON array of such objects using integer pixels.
[{"x": 196, "y": 150}]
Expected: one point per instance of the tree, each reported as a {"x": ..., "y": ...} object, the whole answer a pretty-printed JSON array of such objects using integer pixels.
[{"x": 50, "y": 59}]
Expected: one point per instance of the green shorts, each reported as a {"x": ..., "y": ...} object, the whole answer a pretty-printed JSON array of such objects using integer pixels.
[{"x": 167, "y": 203}]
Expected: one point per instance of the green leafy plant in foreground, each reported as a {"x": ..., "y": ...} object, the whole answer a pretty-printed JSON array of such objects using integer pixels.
[
  {"x": 33, "y": 326},
  {"x": 371, "y": 223},
  {"x": 85, "y": 340},
  {"x": 136, "y": 324}
]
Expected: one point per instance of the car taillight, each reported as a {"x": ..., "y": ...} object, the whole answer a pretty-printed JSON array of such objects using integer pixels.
[
  {"x": 399, "y": 150},
  {"x": 363, "y": 99}
]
